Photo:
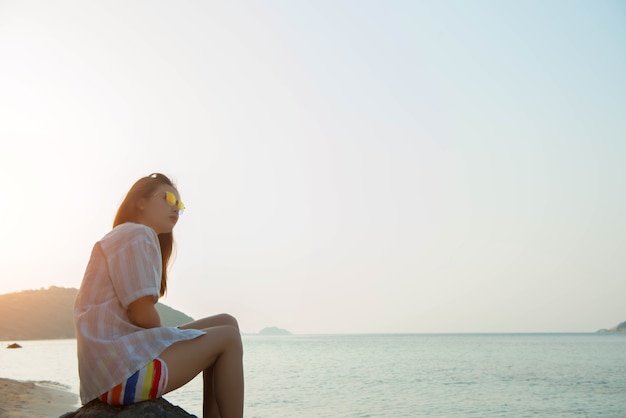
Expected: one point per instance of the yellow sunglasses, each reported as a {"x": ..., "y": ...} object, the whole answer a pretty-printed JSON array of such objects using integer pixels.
[{"x": 171, "y": 200}]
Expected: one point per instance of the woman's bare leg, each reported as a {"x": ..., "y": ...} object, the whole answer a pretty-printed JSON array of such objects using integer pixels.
[
  {"x": 210, "y": 408},
  {"x": 209, "y": 402},
  {"x": 212, "y": 321},
  {"x": 221, "y": 349}
]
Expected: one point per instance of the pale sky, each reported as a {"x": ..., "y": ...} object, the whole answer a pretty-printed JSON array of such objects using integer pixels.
[{"x": 348, "y": 166}]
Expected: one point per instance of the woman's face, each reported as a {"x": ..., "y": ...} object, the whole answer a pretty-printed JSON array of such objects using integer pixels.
[{"x": 157, "y": 213}]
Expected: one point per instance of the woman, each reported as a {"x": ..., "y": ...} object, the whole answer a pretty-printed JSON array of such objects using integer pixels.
[{"x": 125, "y": 355}]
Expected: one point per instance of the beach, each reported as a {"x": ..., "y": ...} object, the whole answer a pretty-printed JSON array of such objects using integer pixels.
[{"x": 34, "y": 399}]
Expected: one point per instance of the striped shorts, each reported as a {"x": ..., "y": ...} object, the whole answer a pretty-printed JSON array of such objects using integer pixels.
[{"x": 147, "y": 383}]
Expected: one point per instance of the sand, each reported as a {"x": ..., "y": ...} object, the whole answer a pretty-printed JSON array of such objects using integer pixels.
[{"x": 33, "y": 399}]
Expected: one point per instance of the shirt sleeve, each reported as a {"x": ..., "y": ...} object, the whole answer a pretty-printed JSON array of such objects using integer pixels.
[{"x": 135, "y": 267}]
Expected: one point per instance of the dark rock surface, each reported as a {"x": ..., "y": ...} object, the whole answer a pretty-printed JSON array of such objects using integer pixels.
[{"x": 158, "y": 408}]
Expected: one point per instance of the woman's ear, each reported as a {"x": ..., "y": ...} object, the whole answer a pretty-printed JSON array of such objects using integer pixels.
[{"x": 141, "y": 204}]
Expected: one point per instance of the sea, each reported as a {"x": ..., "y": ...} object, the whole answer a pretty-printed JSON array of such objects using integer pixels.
[{"x": 395, "y": 375}]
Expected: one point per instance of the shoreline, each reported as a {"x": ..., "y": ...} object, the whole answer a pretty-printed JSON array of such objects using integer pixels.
[{"x": 25, "y": 399}]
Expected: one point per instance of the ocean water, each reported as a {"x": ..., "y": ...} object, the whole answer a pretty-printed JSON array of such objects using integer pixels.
[{"x": 416, "y": 375}]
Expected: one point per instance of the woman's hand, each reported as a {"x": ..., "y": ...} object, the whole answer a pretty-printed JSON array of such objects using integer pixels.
[{"x": 143, "y": 313}]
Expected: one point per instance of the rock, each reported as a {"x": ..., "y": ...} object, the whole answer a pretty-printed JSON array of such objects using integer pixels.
[
  {"x": 158, "y": 408},
  {"x": 14, "y": 345}
]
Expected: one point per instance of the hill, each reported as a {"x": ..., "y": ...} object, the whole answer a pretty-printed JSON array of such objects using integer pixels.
[
  {"x": 48, "y": 314},
  {"x": 274, "y": 331},
  {"x": 618, "y": 328}
]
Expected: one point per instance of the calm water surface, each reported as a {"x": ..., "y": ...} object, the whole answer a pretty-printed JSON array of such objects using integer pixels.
[{"x": 420, "y": 375}]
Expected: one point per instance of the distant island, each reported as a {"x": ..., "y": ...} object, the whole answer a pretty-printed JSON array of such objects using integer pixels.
[
  {"x": 619, "y": 328},
  {"x": 274, "y": 331}
]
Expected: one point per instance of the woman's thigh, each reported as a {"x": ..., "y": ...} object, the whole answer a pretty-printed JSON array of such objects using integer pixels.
[
  {"x": 186, "y": 359},
  {"x": 212, "y": 321}
]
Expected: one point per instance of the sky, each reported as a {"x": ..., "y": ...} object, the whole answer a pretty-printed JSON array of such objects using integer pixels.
[{"x": 347, "y": 166}]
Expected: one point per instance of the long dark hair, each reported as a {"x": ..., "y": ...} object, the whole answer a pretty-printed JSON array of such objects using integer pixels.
[{"x": 128, "y": 212}]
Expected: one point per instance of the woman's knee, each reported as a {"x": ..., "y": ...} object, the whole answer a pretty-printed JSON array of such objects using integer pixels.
[
  {"x": 234, "y": 339},
  {"x": 228, "y": 319},
  {"x": 225, "y": 337}
]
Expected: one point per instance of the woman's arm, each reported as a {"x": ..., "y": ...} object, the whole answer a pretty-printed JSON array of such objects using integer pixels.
[{"x": 143, "y": 313}]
